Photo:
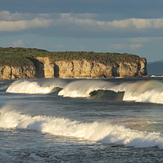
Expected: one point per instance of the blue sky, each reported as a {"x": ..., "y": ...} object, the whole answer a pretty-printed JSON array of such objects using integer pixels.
[{"x": 124, "y": 26}]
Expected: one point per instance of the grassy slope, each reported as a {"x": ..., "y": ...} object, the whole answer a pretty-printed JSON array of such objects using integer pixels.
[{"x": 18, "y": 56}]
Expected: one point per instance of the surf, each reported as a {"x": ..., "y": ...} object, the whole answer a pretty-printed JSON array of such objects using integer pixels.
[
  {"x": 102, "y": 132},
  {"x": 38, "y": 86},
  {"x": 106, "y": 95},
  {"x": 148, "y": 91},
  {"x": 83, "y": 88},
  {"x": 139, "y": 91},
  {"x": 142, "y": 91}
]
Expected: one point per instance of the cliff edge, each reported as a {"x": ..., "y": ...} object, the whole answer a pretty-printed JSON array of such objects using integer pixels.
[{"x": 18, "y": 63}]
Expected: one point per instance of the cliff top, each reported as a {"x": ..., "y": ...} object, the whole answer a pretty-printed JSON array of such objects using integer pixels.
[{"x": 19, "y": 56}]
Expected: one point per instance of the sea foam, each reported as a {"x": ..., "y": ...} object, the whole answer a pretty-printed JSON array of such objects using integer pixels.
[
  {"x": 41, "y": 86},
  {"x": 142, "y": 91},
  {"x": 83, "y": 88},
  {"x": 139, "y": 91},
  {"x": 102, "y": 132}
]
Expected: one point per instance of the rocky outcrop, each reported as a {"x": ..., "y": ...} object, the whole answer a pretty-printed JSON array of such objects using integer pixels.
[
  {"x": 23, "y": 72},
  {"x": 43, "y": 68},
  {"x": 132, "y": 69},
  {"x": 84, "y": 68},
  {"x": 48, "y": 67}
]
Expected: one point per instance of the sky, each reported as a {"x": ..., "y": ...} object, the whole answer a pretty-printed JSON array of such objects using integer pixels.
[{"x": 123, "y": 26}]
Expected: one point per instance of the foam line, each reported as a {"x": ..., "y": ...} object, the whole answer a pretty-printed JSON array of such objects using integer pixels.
[
  {"x": 35, "y": 86},
  {"x": 96, "y": 131}
]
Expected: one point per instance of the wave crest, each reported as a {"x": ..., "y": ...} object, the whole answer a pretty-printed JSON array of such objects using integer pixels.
[
  {"x": 106, "y": 94},
  {"x": 82, "y": 88},
  {"x": 102, "y": 132},
  {"x": 139, "y": 91},
  {"x": 36, "y": 86}
]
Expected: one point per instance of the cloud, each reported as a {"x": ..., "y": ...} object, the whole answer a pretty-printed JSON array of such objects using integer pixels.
[
  {"x": 124, "y": 46},
  {"x": 116, "y": 8},
  {"x": 59, "y": 46},
  {"x": 120, "y": 24},
  {"x": 77, "y": 25},
  {"x": 135, "y": 46},
  {"x": 86, "y": 20},
  {"x": 146, "y": 39},
  {"x": 6, "y": 15},
  {"x": 20, "y": 43},
  {"x": 82, "y": 47},
  {"x": 140, "y": 39},
  {"x": 90, "y": 20},
  {"x": 24, "y": 24}
]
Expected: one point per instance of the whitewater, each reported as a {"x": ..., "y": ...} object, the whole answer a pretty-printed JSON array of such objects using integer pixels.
[{"x": 81, "y": 120}]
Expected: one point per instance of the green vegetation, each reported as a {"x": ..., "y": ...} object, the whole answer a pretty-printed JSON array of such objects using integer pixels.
[{"x": 19, "y": 56}]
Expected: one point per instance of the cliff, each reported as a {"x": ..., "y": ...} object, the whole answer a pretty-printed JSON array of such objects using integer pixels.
[{"x": 73, "y": 67}]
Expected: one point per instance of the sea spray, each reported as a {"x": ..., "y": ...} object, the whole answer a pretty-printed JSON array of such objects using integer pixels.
[
  {"x": 40, "y": 86},
  {"x": 82, "y": 88},
  {"x": 102, "y": 132},
  {"x": 142, "y": 91},
  {"x": 139, "y": 91}
]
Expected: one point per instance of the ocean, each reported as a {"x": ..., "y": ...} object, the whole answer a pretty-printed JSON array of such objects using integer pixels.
[{"x": 118, "y": 120}]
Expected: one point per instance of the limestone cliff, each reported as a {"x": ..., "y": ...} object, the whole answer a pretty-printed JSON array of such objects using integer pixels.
[
  {"x": 23, "y": 72},
  {"x": 43, "y": 68},
  {"x": 92, "y": 69}
]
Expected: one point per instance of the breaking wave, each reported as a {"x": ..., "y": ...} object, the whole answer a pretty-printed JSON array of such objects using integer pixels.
[
  {"x": 107, "y": 94},
  {"x": 82, "y": 88},
  {"x": 41, "y": 86},
  {"x": 102, "y": 132},
  {"x": 138, "y": 91},
  {"x": 142, "y": 91}
]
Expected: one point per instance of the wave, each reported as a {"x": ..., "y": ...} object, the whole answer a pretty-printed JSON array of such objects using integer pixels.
[
  {"x": 106, "y": 94},
  {"x": 83, "y": 88},
  {"x": 139, "y": 91},
  {"x": 142, "y": 91},
  {"x": 41, "y": 86},
  {"x": 156, "y": 76},
  {"x": 102, "y": 132}
]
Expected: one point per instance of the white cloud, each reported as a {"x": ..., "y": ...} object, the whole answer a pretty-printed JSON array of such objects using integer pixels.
[
  {"x": 20, "y": 43},
  {"x": 6, "y": 15},
  {"x": 140, "y": 39},
  {"x": 117, "y": 46},
  {"x": 124, "y": 46},
  {"x": 87, "y": 20},
  {"x": 19, "y": 21},
  {"x": 122, "y": 24},
  {"x": 24, "y": 24},
  {"x": 135, "y": 46}
]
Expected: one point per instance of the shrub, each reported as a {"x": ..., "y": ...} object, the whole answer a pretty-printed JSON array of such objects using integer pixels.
[{"x": 19, "y": 56}]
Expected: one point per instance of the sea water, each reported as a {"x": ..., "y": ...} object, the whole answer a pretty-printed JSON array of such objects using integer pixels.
[{"x": 81, "y": 120}]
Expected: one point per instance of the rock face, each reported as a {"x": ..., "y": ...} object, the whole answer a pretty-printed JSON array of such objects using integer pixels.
[
  {"x": 133, "y": 69},
  {"x": 9, "y": 72},
  {"x": 84, "y": 68},
  {"x": 48, "y": 68},
  {"x": 43, "y": 68}
]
